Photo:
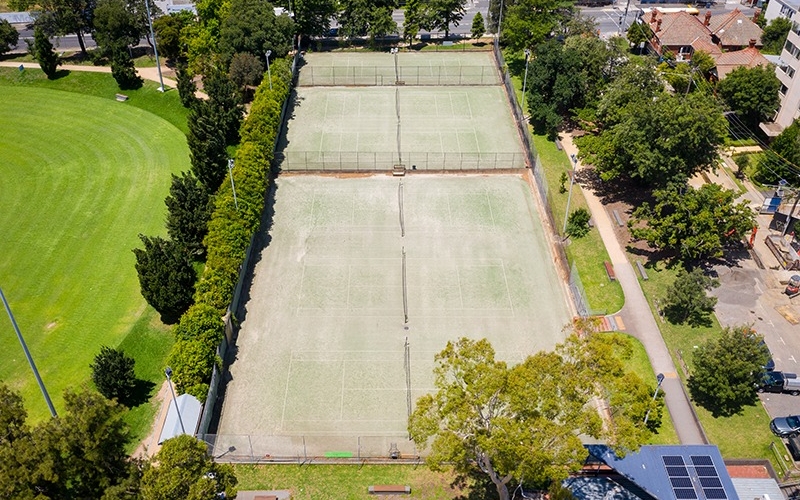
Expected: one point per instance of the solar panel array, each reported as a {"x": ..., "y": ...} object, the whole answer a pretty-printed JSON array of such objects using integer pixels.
[{"x": 698, "y": 480}]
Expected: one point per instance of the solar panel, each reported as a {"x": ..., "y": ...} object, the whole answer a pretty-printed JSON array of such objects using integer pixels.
[
  {"x": 672, "y": 459},
  {"x": 685, "y": 493},
  {"x": 702, "y": 460},
  {"x": 706, "y": 471},
  {"x": 710, "y": 482},
  {"x": 681, "y": 482},
  {"x": 677, "y": 472},
  {"x": 715, "y": 493}
]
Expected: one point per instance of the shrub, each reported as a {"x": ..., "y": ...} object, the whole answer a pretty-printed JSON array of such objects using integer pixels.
[
  {"x": 578, "y": 223},
  {"x": 113, "y": 374}
]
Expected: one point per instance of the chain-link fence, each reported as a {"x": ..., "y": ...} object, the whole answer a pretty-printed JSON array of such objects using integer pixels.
[
  {"x": 317, "y": 161},
  {"x": 252, "y": 448},
  {"x": 367, "y": 76}
]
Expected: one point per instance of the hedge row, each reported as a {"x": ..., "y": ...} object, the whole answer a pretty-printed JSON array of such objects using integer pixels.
[{"x": 229, "y": 232}]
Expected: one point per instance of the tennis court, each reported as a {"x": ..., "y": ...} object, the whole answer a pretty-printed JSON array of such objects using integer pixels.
[
  {"x": 363, "y": 281},
  {"x": 457, "y": 126}
]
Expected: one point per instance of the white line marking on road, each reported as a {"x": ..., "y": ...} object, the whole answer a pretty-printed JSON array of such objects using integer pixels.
[
  {"x": 792, "y": 358},
  {"x": 784, "y": 342}
]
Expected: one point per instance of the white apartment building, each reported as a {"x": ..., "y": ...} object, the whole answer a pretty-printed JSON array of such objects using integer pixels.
[{"x": 787, "y": 70}]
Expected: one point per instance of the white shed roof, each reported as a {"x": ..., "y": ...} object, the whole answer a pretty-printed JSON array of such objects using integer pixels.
[{"x": 190, "y": 412}]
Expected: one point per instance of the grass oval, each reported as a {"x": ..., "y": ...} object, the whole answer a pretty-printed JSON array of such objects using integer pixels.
[{"x": 81, "y": 178}]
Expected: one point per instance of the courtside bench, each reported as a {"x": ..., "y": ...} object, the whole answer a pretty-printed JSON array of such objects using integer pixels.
[{"x": 389, "y": 489}]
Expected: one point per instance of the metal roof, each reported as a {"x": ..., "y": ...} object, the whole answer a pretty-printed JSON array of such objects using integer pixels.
[
  {"x": 673, "y": 472},
  {"x": 756, "y": 488},
  {"x": 190, "y": 411}
]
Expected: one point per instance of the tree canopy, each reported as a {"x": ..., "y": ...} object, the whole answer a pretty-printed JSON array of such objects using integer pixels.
[
  {"x": 660, "y": 144},
  {"x": 727, "y": 370},
  {"x": 752, "y": 93},
  {"x": 9, "y": 36},
  {"x": 252, "y": 26},
  {"x": 113, "y": 374},
  {"x": 774, "y": 35},
  {"x": 166, "y": 275},
  {"x": 44, "y": 54},
  {"x": 781, "y": 160},
  {"x": 523, "y": 421},
  {"x": 367, "y": 17},
  {"x": 527, "y": 23},
  {"x": 61, "y": 17},
  {"x": 694, "y": 225},
  {"x": 313, "y": 17},
  {"x": 686, "y": 300}
]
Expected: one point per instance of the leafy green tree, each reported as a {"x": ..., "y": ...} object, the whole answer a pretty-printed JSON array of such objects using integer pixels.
[
  {"x": 246, "y": 71},
  {"x": 115, "y": 27},
  {"x": 727, "y": 370},
  {"x": 780, "y": 160},
  {"x": 168, "y": 33},
  {"x": 523, "y": 421},
  {"x": 183, "y": 470},
  {"x": 201, "y": 322},
  {"x": 494, "y": 14},
  {"x": 445, "y": 13},
  {"x": 113, "y": 374},
  {"x": 186, "y": 85},
  {"x": 694, "y": 225},
  {"x": 9, "y": 36},
  {"x": 61, "y": 17},
  {"x": 527, "y": 23},
  {"x": 663, "y": 143},
  {"x": 367, "y": 17},
  {"x": 752, "y": 93},
  {"x": 123, "y": 71},
  {"x": 207, "y": 146},
  {"x": 774, "y": 36},
  {"x": 686, "y": 300},
  {"x": 415, "y": 18},
  {"x": 192, "y": 362},
  {"x": 636, "y": 84},
  {"x": 252, "y": 26},
  {"x": 43, "y": 52},
  {"x": 478, "y": 26},
  {"x": 188, "y": 211},
  {"x": 638, "y": 33},
  {"x": 313, "y": 17},
  {"x": 578, "y": 223},
  {"x": 166, "y": 275}
]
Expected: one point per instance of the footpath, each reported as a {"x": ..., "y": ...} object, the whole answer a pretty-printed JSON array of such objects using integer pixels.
[{"x": 639, "y": 320}]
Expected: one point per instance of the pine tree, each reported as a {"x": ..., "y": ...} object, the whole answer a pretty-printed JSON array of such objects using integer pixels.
[
  {"x": 224, "y": 98},
  {"x": 207, "y": 145},
  {"x": 166, "y": 276},
  {"x": 123, "y": 71},
  {"x": 189, "y": 209},
  {"x": 186, "y": 85},
  {"x": 44, "y": 53},
  {"x": 478, "y": 27},
  {"x": 113, "y": 374}
]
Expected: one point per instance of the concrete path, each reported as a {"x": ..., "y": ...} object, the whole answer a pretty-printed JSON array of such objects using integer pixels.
[{"x": 639, "y": 320}]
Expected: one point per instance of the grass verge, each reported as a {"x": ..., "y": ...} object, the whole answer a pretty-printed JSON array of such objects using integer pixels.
[
  {"x": 85, "y": 175},
  {"x": 745, "y": 435},
  {"x": 346, "y": 481}
]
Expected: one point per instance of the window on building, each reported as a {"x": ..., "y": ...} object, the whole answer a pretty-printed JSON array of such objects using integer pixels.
[
  {"x": 787, "y": 11},
  {"x": 784, "y": 89}
]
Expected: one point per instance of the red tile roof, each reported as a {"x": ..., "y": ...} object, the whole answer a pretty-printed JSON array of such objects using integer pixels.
[
  {"x": 735, "y": 29},
  {"x": 728, "y": 61}
]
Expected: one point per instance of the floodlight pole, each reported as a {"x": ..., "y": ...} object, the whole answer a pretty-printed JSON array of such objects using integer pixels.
[
  {"x": 525, "y": 80},
  {"x": 659, "y": 379},
  {"x": 155, "y": 49},
  {"x": 233, "y": 186},
  {"x": 394, "y": 50},
  {"x": 269, "y": 73},
  {"x": 28, "y": 355},
  {"x": 168, "y": 373},
  {"x": 569, "y": 195},
  {"x": 500, "y": 22}
]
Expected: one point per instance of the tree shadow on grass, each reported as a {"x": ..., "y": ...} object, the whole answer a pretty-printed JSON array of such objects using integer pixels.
[
  {"x": 474, "y": 486},
  {"x": 60, "y": 74},
  {"x": 140, "y": 394}
]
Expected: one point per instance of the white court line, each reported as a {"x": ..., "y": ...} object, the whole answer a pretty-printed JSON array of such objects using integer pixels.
[
  {"x": 491, "y": 212},
  {"x": 508, "y": 290},
  {"x": 286, "y": 390},
  {"x": 469, "y": 107}
]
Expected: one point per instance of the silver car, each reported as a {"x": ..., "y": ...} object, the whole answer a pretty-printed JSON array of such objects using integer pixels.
[{"x": 785, "y": 426}]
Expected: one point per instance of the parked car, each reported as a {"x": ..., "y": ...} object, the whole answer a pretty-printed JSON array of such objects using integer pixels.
[
  {"x": 785, "y": 426},
  {"x": 780, "y": 382}
]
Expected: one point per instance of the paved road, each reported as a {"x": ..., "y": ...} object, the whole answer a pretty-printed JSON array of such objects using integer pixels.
[{"x": 639, "y": 320}]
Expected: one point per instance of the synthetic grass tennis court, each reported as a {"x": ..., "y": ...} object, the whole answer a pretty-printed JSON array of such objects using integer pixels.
[
  {"x": 321, "y": 354},
  {"x": 82, "y": 176}
]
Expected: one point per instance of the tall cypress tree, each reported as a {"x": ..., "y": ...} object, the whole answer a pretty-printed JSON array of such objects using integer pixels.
[
  {"x": 186, "y": 85},
  {"x": 43, "y": 52},
  {"x": 223, "y": 96},
  {"x": 189, "y": 209},
  {"x": 207, "y": 145},
  {"x": 166, "y": 276}
]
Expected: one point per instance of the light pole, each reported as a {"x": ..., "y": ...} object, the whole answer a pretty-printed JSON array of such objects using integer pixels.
[
  {"x": 155, "y": 50},
  {"x": 233, "y": 186},
  {"x": 269, "y": 73},
  {"x": 393, "y": 50},
  {"x": 28, "y": 355},
  {"x": 500, "y": 22},
  {"x": 525, "y": 80},
  {"x": 659, "y": 379},
  {"x": 168, "y": 373}
]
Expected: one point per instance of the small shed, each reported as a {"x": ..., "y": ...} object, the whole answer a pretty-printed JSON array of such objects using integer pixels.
[{"x": 190, "y": 412}]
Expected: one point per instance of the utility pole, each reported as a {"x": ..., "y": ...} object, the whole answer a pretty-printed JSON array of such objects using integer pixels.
[
  {"x": 155, "y": 50},
  {"x": 624, "y": 17},
  {"x": 525, "y": 80},
  {"x": 28, "y": 355}
]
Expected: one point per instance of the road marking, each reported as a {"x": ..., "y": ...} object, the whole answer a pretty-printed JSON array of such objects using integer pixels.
[
  {"x": 784, "y": 342},
  {"x": 792, "y": 358}
]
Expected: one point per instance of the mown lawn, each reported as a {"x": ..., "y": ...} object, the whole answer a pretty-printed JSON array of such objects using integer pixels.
[
  {"x": 348, "y": 481},
  {"x": 83, "y": 175},
  {"x": 745, "y": 435}
]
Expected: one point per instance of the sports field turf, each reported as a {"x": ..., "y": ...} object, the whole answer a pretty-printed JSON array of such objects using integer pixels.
[{"x": 82, "y": 176}]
